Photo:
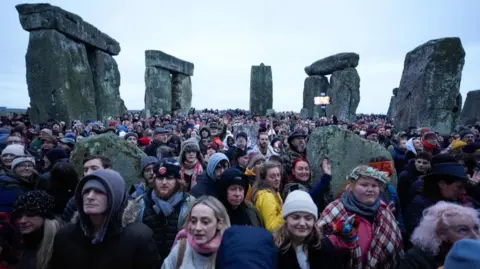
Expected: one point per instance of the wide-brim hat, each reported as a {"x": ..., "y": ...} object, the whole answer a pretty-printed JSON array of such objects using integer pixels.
[
  {"x": 295, "y": 135},
  {"x": 454, "y": 170}
]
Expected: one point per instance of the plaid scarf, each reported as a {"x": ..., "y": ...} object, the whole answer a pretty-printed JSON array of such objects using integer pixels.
[
  {"x": 191, "y": 169},
  {"x": 386, "y": 248}
]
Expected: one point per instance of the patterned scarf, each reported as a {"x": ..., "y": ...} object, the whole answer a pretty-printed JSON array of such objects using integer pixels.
[
  {"x": 166, "y": 207},
  {"x": 191, "y": 169}
]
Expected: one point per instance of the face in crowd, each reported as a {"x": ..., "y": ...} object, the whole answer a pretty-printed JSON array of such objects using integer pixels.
[
  {"x": 263, "y": 140},
  {"x": 366, "y": 190},
  {"x": 241, "y": 142},
  {"x": 204, "y": 223},
  {"x": 273, "y": 177},
  {"x": 300, "y": 225},
  {"x": 299, "y": 144},
  {"x": 148, "y": 174},
  {"x": 301, "y": 171},
  {"x": 422, "y": 165},
  {"x": 220, "y": 168}
]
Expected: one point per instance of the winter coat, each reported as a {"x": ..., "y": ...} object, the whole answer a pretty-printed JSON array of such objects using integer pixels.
[
  {"x": 392, "y": 197},
  {"x": 164, "y": 228},
  {"x": 11, "y": 187},
  {"x": 269, "y": 206},
  {"x": 416, "y": 258},
  {"x": 405, "y": 181},
  {"x": 245, "y": 247},
  {"x": 414, "y": 212},
  {"x": 386, "y": 246},
  {"x": 131, "y": 248},
  {"x": 205, "y": 186},
  {"x": 121, "y": 243},
  {"x": 399, "y": 156},
  {"x": 327, "y": 257},
  {"x": 70, "y": 209}
]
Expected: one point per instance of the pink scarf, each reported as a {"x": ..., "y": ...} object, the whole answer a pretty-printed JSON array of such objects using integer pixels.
[{"x": 207, "y": 248}]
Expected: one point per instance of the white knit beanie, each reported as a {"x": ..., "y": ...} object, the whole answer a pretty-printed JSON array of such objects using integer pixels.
[
  {"x": 17, "y": 150},
  {"x": 299, "y": 201}
]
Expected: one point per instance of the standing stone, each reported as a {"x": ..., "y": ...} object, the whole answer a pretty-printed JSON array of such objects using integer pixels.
[
  {"x": 106, "y": 79},
  {"x": 429, "y": 88},
  {"x": 181, "y": 93},
  {"x": 393, "y": 105},
  {"x": 344, "y": 150},
  {"x": 305, "y": 113},
  {"x": 125, "y": 157},
  {"x": 344, "y": 94},
  {"x": 59, "y": 78},
  {"x": 158, "y": 95},
  {"x": 168, "y": 83},
  {"x": 314, "y": 86},
  {"x": 471, "y": 109},
  {"x": 261, "y": 89},
  {"x": 270, "y": 112},
  {"x": 327, "y": 66},
  {"x": 71, "y": 74}
]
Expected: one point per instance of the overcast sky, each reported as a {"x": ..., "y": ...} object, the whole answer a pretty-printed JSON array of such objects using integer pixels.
[{"x": 225, "y": 38}]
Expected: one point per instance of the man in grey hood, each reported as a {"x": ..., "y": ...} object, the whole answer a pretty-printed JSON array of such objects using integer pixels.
[{"x": 103, "y": 236}]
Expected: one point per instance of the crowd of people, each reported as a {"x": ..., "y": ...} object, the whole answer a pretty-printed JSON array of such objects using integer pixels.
[{"x": 210, "y": 196}]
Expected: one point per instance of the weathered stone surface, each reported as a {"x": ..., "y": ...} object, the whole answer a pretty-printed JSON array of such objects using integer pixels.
[
  {"x": 125, "y": 157},
  {"x": 261, "y": 89},
  {"x": 250, "y": 130},
  {"x": 471, "y": 109},
  {"x": 344, "y": 94},
  {"x": 430, "y": 84},
  {"x": 270, "y": 112},
  {"x": 305, "y": 113},
  {"x": 45, "y": 16},
  {"x": 59, "y": 78},
  {"x": 156, "y": 58},
  {"x": 395, "y": 91},
  {"x": 327, "y": 66},
  {"x": 392, "y": 107},
  {"x": 158, "y": 93},
  {"x": 344, "y": 150},
  {"x": 181, "y": 93},
  {"x": 312, "y": 87},
  {"x": 106, "y": 79}
]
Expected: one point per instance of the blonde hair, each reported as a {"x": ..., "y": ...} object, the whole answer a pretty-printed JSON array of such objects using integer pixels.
[
  {"x": 435, "y": 220},
  {"x": 218, "y": 208},
  {"x": 220, "y": 214},
  {"x": 261, "y": 180},
  {"x": 44, "y": 253},
  {"x": 282, "y": 238}
]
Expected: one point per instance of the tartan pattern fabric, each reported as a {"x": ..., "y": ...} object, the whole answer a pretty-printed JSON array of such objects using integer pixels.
[{"x": 386, "y": 248}]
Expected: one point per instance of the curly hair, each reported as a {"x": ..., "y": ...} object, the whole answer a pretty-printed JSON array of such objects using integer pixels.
[{"x": 436, "y": 219}]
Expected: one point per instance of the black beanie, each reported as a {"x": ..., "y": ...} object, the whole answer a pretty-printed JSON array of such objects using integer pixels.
[
  {"x": 242, "y": 134},
  {"x": 35, "y": 202},
  {"x": 275, "y": 140}
]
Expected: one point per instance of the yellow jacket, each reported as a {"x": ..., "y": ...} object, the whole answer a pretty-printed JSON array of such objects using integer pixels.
[{"x": 269, "y": 206}]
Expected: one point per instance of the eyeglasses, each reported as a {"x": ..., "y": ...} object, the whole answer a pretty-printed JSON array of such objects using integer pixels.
[{"x": 26, "y": 166}]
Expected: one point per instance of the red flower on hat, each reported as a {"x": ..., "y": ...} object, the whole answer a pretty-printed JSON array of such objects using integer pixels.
[{"x": 162, "y": 170}]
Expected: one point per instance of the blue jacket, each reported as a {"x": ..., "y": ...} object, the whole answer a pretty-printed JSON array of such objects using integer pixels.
[
  {"x": 10, "y": 188},
  {"x": 414, "y": 212},
  {"x": 405, "y": 181},
  {"x": 245, "y": 247},
  {"x": 399, "y": 159},
  {"x": 393, "y": 198}
]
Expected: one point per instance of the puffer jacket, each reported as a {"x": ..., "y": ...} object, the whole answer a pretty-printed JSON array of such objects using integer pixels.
[
  {"x": 269, "y": 206},
  {"x": 164, "y": 228}
]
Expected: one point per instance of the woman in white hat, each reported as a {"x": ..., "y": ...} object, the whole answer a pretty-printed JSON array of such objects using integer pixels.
[{"x": 301, "y": 243}]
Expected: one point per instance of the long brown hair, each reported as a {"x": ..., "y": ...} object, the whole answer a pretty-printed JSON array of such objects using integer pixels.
[
  {"x": 261, "y": 180},
  {"x": 282, "y": 238}
]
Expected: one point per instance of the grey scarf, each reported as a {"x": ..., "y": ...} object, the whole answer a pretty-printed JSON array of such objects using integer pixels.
[
  {"x": 166, "y": 207},
  {"x": 351, "y": 204}
]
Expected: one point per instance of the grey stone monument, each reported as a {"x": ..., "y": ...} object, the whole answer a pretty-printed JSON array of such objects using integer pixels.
[{"x": 261, "y": 89}]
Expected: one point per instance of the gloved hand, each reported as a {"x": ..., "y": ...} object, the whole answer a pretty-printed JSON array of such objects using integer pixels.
[{"x": 347, "y": 229}]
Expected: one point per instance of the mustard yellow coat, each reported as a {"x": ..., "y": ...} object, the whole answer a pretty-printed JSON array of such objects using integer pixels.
[{"x": 269, "y": 206}]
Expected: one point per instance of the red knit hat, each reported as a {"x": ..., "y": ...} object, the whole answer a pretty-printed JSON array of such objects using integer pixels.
[
  {"x": 112, "y": 124},
  {"x": 144, "y": 141}
]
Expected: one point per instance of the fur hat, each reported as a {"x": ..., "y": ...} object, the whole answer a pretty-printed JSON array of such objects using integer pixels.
[{"x": 255, "y": 157}]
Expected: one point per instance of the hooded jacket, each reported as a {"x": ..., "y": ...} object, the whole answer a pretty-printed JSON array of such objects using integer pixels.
[
  {"x": 245, "y": 213},
  {"x": 247, "y": 247},
  {"x": 206, "y": 181},
  {"x": 121, "y": 243},
  {"x": 405, "y": 182}
]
